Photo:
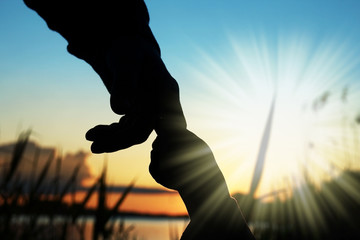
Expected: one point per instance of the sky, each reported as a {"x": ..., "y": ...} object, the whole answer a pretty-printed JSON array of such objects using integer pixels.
[{"x": 231, "y": 59}]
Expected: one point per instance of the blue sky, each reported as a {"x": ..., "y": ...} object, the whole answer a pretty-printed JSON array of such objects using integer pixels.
[
  {"x": 215, "y": 49},
  {"x": 178, "y": 25}
]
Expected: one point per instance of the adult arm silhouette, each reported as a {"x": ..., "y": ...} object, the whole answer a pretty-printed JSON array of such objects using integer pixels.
[{"x": 116, "y": 41}]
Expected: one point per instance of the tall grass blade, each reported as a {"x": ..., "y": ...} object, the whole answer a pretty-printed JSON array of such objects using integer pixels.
[
  {"x": 81, "y": 207},
  {"x": 34, "y": 167},
  {"x": 114, "y": 210},
  {"x": 121, "y": 200},
  {"x": 57, "y": 176},
  {"x": 99, "y": 225},
  {"x": 262, "y": 152},
  {"x": 43, "y": 174},
  {"x": 71, "y": 181},
  {"x": 17, "y": 155}
]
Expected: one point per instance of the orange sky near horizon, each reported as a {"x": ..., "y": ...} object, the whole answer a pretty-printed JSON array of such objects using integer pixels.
[
  {"x": 155, "y": 204},
  {"x": 230, "y": 60}
]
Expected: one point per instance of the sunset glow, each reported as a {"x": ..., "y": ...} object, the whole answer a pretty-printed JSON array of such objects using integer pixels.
[
  {"x": 232, "y": 60},
  {"x": 308, "y": 80},
  {"x": 169, "y": 204}
]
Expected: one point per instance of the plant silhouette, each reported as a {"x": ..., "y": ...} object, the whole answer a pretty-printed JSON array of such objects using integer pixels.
[{"x": 114, "y": 37}]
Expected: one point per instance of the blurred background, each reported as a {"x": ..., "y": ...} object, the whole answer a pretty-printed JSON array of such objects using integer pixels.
[{"x": 272, "y": 87}]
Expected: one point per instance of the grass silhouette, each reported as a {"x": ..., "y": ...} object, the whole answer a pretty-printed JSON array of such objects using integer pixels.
[
  {"x": 330, "y": 210},
  {"x": 33, "y": 203}
]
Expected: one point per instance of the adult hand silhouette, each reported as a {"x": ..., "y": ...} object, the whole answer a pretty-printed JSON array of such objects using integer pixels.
[
  {"x": 120, "y": 47},
  {"x": 118, "y": 43},
  {"x": 153, "y": 102}
]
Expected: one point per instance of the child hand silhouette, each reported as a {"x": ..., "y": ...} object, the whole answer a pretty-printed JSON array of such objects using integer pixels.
[{"x": 119, "y": 45}]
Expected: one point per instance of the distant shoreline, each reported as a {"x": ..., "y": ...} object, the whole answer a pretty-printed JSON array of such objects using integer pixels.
[{"x": 89, "y": 213}]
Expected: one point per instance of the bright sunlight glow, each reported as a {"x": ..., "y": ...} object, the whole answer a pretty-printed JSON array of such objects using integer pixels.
[{"x": 313, "y": 83}]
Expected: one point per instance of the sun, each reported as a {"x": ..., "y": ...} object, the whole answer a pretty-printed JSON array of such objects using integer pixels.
[{"x": 230, "y": 98}]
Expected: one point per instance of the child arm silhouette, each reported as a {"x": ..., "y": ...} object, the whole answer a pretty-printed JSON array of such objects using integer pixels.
[{"x": 118, "y": 43}]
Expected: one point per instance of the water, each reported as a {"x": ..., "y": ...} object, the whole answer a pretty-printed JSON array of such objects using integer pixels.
[
  {"x": 139, "y": 228},
  {"x": 161, "y": 229}
]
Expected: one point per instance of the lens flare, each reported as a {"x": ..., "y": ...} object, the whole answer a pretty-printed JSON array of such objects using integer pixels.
[
  {"x": 315, "y": 82},
  {"x": 306, "y": 155}
]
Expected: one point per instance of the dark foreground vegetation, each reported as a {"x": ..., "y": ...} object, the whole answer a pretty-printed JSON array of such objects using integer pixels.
[
  {"x": 329, "y": 211},
  {"x": 25, "y": 203}
]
